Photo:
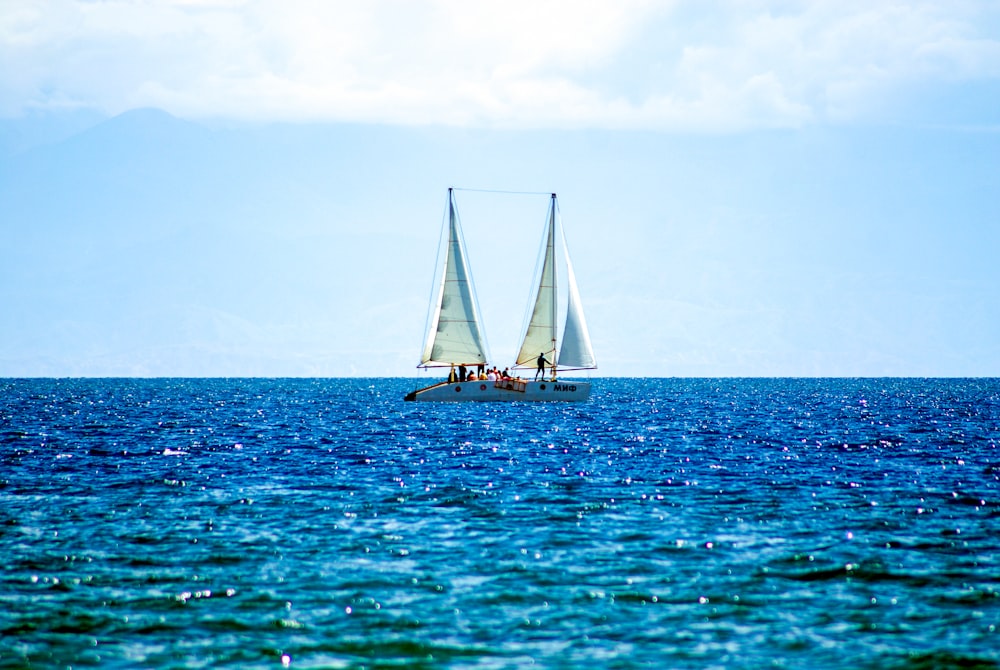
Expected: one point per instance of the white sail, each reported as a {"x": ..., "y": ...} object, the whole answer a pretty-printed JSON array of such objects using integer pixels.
[
  {"x": 540, "y": 335},
  {"x": 576, "y": 351},
  {"x": 454, "y": 336}
]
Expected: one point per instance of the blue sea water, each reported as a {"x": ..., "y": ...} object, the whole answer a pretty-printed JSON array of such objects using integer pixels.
[{"x": 667, "y": 523}]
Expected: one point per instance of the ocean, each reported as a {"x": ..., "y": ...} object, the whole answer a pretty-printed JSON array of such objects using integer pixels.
[{"x": 666, "y": 523}]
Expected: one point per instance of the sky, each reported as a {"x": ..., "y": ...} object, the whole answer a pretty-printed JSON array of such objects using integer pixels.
[
  {"x": 668, "y": 65},
  {"x": 749, "y": 188}
]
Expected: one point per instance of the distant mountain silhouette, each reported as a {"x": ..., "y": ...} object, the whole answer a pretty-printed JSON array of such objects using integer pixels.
[
  {"x": 40, "y": 128},
  {"x": 146, "y": 244},
  {"x": 149, "y": 244}
]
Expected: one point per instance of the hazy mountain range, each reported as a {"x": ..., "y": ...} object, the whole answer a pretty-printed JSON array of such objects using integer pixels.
[{"x": 149, "y": 245}]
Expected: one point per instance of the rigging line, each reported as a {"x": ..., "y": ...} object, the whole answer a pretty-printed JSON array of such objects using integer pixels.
[{"x": 488, "y": 190}]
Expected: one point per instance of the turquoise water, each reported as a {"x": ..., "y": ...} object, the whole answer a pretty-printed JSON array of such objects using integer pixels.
[{"x": 666, "y": 523}]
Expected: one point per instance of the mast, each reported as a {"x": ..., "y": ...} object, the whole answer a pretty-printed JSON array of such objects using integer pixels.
[{"x": 550, "y": 254}]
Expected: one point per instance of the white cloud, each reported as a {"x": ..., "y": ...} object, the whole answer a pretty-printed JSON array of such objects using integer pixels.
[{"x": 622, "y": 63}]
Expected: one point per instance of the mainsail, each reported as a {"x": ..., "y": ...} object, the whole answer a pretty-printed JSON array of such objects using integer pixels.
[
  {"x": 540, "y": 336},
  {"x": 453, "y": 335},
  {"x": 575, "y": 350}
]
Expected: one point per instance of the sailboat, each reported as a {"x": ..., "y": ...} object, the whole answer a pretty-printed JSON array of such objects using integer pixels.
[{"x": 455, "y": 338}]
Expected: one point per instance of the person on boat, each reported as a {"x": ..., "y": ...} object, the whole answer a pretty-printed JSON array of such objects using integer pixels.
[
  {"x": 541, "y": 366},
  {"x": 451, "y": 375},
  {"x": 462, "y": 374},
  {"x": 506, "y": 373}
]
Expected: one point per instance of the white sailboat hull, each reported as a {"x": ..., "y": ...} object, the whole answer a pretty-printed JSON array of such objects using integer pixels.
[{"x": 504, "y": 391}]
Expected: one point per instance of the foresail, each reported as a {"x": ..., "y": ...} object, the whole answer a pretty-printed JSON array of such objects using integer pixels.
[
  {"x": 576, "y": 350},
  {"x": 454, "y": 336},
  {"x": 540, "y": 335}
]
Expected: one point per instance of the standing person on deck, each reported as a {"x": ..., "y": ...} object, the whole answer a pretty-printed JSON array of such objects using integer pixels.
[{"x": 541, "y": 366}]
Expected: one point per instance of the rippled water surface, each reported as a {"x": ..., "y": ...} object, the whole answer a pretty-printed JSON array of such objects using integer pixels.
[{"x": 665, "y": 523}]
